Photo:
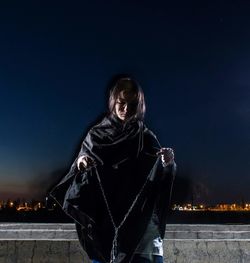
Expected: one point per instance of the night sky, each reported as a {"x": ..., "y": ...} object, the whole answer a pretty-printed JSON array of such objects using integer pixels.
[{"x": 192, "y": 59}]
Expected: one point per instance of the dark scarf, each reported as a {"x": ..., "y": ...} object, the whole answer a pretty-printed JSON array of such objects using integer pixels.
[{"x": 120, "y": 191}]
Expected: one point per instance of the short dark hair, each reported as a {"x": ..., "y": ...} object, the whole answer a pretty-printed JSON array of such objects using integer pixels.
[{"x": 129, "y": 86}]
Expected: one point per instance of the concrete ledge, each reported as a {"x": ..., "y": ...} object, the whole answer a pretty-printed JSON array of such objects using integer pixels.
[
  {"x": 207, "y": 232},
  {"x": 51, "y": 243}
]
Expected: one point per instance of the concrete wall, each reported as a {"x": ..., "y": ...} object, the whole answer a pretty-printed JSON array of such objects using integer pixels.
[
  {"x": 50, "y": 243},
  {"x": 40, "y": 243},
  {"x": 207, "y": 244}
]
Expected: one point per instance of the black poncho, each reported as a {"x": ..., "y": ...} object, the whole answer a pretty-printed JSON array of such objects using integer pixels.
[{"x": 113, "y": 202}]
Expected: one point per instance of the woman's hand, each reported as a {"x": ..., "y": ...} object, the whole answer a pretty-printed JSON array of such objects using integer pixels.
[
  {"x": 167, "y": 156},
  {"x": 85, "y": 162}
]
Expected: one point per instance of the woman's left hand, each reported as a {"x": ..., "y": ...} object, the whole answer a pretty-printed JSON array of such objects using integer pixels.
[{"x": 167, "y": 156}]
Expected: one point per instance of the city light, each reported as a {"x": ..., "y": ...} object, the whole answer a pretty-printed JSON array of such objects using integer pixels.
[
  {"x": 217, "y": 207},
  {"x": 188, "y": 207}
]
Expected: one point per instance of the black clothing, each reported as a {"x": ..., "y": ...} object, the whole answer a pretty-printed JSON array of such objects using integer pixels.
[{"x": 127, "y": 169}]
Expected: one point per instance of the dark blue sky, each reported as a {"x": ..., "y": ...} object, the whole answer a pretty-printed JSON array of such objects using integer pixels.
[{"x": 192, "y": 59}]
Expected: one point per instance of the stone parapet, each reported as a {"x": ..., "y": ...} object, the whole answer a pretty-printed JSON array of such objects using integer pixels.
[{"x": 51, "y": 243}]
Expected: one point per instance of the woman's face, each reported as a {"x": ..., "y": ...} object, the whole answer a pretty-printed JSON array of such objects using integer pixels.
[{"x": 125, "y": 106}]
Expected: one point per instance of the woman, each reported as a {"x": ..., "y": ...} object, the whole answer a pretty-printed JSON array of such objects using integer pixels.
[{"x": 118, "y": 188}]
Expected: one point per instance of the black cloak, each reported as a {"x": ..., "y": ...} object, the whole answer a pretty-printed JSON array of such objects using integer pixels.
[{"x": 113, "y": 202}]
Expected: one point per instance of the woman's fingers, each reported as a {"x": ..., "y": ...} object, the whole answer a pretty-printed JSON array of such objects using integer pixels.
[
  {"x": 165, "y": 151},
  {"x": 167, "y": 155},
  {"x": 84, "y": 162}
]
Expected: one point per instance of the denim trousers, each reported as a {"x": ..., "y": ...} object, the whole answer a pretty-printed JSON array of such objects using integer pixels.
[{"x": 139, "y": 259}]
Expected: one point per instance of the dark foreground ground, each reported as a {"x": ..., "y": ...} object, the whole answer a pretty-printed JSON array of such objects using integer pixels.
[{"x": 175, "y": 217}]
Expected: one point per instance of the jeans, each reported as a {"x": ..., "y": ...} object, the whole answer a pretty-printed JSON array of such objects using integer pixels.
[{"x": 139, "y": 259}]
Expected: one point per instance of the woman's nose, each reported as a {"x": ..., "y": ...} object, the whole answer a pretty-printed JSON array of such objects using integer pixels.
[{"x": 125, "y": 107}]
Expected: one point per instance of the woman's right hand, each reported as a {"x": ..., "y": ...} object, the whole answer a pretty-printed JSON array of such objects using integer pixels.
[{"x": 84, "y": 162}]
